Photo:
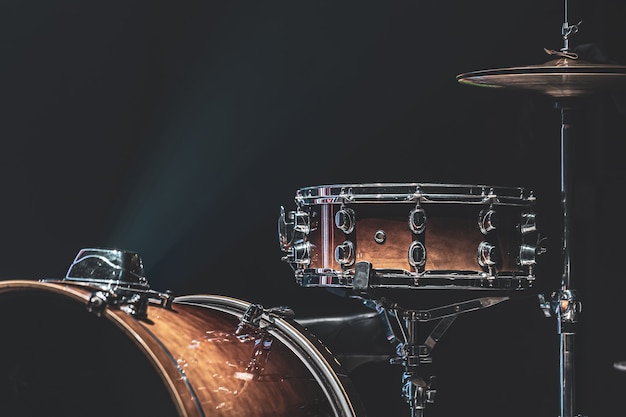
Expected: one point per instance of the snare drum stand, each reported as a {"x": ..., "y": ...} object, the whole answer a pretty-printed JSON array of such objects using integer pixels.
[{"x": 416, "y": 390}]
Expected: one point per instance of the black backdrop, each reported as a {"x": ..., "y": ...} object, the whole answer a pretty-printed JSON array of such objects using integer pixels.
[{"x": 177, "y": 130}]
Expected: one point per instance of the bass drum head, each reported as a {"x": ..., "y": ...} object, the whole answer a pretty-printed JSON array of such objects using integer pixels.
[{"x": 58, "y": 359}]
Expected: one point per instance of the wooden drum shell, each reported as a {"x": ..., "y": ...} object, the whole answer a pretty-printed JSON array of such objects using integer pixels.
[{"x": 60, "y": 359}]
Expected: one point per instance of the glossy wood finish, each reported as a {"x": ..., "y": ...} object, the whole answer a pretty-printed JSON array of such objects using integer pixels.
[
  {"x": 451, "y": 238},
  {"x": 200, "y": 361}
]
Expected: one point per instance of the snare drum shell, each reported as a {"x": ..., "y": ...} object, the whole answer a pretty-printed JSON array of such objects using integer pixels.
[
  {"x": 185, "y": 360},
  {"x": 451, "y": 237}
]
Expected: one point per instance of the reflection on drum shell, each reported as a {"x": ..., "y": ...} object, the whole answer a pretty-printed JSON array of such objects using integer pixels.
[{"x": 451, "y": 237}]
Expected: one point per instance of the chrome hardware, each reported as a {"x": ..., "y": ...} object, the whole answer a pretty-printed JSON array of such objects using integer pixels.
[
  {"x": 136, "y": 305},
  {"x": 544, "y": 305},
  {"x": 346, "y": 194},
  {"x": 402, "y": 330},
  {"x": 344, "y": 253},
  {"x": 566, "y": 307},
  {"x": 528, "y": 224},
  {"x": 299, "y": 254},
  {"x": 345, "y": 220},
  {"x": 251, "y": 317},
  {"x": 528, "y": 255},
  {"x": 98, "y": 302},
  {"x": 108, "y": 268},
  {"x": 487, "y": 254},
  {"x": 487, "y": 221},
  {"x": 280, "y": 312},
  {"x": 380, "y": 236},
  {"x": 417, "y": 254},
  {"x": 290, "y": 224},
  {"x": 418, "y": 392},
  {"x": 417, "y": 220},
  {"x": 132, "y": 302},
  {"x": 250, "y": 329}
]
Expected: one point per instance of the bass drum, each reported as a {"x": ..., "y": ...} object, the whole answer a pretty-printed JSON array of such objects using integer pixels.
[{"x": 184, "y": 358}]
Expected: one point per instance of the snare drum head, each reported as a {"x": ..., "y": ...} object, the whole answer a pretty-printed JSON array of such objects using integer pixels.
[{"x": 58, "y": 359}]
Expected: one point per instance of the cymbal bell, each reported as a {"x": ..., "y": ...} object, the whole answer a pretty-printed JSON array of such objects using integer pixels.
[{"x": 562, "y": 78}]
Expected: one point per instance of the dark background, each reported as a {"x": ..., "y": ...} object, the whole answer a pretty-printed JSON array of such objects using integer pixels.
[{"x": 178, "y": 129}]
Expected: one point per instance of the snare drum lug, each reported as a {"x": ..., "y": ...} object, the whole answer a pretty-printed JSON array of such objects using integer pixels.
[
  {"x": 293, "y": 226},
  {"x": 487, "y": 221},
  {"x": 299, "y": 254},
  {"x": 487, "y": 255},
  {"x": 417, "y": 254},
  {"x": 344, "y": 253},
  {"x": 528, "y": 223},
  {"x": 417, "y": 220},
  {"x": 345, "y": 220}
]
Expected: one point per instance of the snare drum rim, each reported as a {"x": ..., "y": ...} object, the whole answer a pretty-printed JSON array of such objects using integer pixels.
[
  {"x": 412, "y": 192},
  {"x": 324, "y": 367},
  {"x": 176, "y": 383}
]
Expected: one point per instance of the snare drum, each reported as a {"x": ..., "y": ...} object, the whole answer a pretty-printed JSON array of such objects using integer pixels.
[
  {"x": 74, "y": 349},
  {"x": 411, "y": 235}
]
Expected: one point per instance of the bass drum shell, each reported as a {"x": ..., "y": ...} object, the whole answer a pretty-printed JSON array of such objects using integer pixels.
[{"x": 58, "y": 359}]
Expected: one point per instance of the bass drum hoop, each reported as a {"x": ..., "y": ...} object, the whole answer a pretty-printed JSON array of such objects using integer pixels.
[{"x": 313, "y": 354}]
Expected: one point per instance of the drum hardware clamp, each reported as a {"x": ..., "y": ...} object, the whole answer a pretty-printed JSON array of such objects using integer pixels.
[
  {"x": 250, "y": 329},
  {"x": 131, "y": 300},
  {"x": 251, "y": 318},
  {"x": 403, "y": 331}
]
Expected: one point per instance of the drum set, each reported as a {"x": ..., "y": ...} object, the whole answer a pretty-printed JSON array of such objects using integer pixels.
[{"x": 379, "y": 243}]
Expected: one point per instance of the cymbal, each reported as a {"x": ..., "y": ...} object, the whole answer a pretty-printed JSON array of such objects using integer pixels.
[{"x": 562, "y": 78}]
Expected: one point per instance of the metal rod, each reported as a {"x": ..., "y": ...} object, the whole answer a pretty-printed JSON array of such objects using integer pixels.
[
  {"x": 565, "y": 196},
  {"x": 566, "y": 305}
]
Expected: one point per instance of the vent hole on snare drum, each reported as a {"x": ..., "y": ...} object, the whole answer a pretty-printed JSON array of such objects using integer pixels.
[{"x": 380, "y": 236}]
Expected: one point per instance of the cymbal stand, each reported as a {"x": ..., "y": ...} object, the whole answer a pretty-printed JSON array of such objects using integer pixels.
[
  {"x": 565, "y": 304},
  {"x": 417, "y": 391}
]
